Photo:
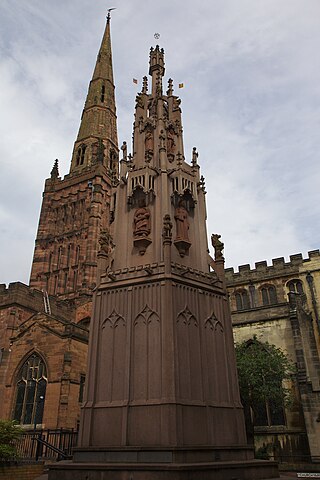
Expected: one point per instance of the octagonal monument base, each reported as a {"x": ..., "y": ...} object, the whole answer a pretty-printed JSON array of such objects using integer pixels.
[{"x": 129, "y": 463}]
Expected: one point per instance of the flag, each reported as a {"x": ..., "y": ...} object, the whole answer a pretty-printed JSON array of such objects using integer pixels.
[
  {"x": 135, "y": 81},
  {"x": 181, "y": 85}
]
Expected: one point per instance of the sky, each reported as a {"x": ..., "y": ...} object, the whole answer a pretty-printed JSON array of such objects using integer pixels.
[{"x": 250, "y": 103}]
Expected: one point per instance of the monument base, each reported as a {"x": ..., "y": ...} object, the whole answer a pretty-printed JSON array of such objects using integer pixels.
[{"x": 128, "y": 463}]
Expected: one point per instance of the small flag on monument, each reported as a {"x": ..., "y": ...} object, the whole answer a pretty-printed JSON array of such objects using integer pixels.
[
  {"x": 135, "y": 81},
  {"x": 181, "y": 85}
]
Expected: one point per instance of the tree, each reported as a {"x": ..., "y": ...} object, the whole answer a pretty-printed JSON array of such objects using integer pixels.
[
  {"x": 262, "y": 370},
  {"x": 10, "y": 431}
]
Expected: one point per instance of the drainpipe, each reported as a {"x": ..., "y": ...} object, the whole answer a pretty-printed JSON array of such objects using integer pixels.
[{"x": 309, "y": 279}]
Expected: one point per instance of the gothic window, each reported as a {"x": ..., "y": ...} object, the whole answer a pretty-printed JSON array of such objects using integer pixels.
[
  {"x": 65, "y": 281},
  {"x": 269, "y": 295},
  {"x": 31, "y": 391},
  {"x": 55, "y": 287},
  {"x": 242, "y": 300},
  {"x": 103, "y": 90},
  {"x": 295, "y": 286}
]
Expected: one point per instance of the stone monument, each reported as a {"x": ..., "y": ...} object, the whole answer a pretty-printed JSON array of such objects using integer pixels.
[{"x": 162, "y": 398}]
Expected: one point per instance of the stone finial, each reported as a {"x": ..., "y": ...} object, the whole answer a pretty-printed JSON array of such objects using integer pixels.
[
  {"x": 217, "y": 245},
  {"x": 145, "y": 85},
  {"x": 55, "y": 170},
  {"x": 170, "y": 87},
  {"x": 202, "y": 184}
]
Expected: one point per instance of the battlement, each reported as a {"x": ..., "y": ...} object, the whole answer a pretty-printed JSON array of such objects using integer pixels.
[
  {"x": 20, "y": 295},
  {"x": 279, "y": 267}
]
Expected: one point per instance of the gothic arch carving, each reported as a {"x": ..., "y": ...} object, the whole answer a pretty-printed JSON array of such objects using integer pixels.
[
  {"x": 146, "y": 316},
  {"x": 187, "y": 317},
  {"x": 213, "y": 323},
  {"x": 114, "y": 320}
]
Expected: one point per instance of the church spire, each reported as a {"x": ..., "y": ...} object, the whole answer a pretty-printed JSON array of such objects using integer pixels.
[{"x": 98, "y": 121}]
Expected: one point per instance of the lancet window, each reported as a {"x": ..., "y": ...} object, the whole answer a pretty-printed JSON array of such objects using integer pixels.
[{"x": 31, "y": 391}]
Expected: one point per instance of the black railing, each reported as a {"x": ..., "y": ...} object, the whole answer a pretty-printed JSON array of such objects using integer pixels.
[{"x": 47, "y": 444}]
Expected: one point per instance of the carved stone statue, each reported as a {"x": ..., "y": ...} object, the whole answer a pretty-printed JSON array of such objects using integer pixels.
[
  {"x": 148, "y": 142},
  {"x": 217, "y": 245},
  {"x": 181, "y": 218},
  {"x": 106, "y": 243},
  {"x": 124, "y": 151},
  {"x": 167, "y": 227},
  {"x": 195, "y": 156},
  {"x": 162, "y": 139},
  {"x": 141, "y": 222},
  {"x": 170, "y": 141}
]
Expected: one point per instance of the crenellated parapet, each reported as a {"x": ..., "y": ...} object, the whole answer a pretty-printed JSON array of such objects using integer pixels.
[
  {"x": 279, "y": 268},
  {"x": 18, "y": 294}
]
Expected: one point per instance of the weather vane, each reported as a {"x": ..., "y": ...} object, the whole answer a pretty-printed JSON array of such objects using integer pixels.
[
  {"x": 109, "y": 10},
  {"x": 157, "y": 36}
]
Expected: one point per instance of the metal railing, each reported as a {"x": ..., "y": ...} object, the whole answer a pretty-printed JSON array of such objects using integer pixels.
[{"x": 47, "y": 444}]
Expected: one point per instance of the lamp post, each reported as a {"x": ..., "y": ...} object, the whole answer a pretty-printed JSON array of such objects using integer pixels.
[{"x": 38, "y": 401}]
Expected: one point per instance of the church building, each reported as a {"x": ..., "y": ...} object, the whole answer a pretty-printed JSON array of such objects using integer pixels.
[{"x": 44, "y": 327}]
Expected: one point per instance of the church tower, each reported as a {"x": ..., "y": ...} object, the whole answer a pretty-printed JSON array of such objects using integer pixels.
[
  {"x": 76, "y": 209},
  {"x": 162, "y": 397}
]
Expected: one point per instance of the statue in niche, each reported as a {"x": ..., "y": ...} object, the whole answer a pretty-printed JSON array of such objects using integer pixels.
[
  {"x": 217, "y": 245},
  {"x": 162, "y": 139},
  {"x": 148, "y": 142},
  {"x": 181, "y": 218},
  {"x": 167, "y": 227},
  {"x": 170, "y": 141},
  {"x": 141, "y": 222}
]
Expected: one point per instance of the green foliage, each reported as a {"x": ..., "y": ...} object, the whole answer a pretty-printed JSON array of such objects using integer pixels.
[
  {"x": 262, "y": 368},
  {"x": 9, "y": 432},
  {"x": 262, "y": 453}
]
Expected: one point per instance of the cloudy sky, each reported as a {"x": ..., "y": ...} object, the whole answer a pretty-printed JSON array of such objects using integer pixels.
[{"x": 251, "y": 105}]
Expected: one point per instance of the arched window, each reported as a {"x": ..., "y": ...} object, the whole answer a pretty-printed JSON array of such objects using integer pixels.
[
  {"x": 269, "y": 295},
  {"x": 295, "y": 286},
  {"x": 80, "y": 154},
  {"x": 31, "y": 391},
  {"x": 242, "y": 300}
]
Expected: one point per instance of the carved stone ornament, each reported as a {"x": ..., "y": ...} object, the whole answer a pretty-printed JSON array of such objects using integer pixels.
[
  {"x": 217, "y": 245},
  {"x": 187, "y": 317},
  {"x": 113, "y": 320},
  {"x": 142, "y": 229},
  {"x": 213, "y": 323},
  {"x": 182, "y": 241},
  {"x": 167, "y": 228}
]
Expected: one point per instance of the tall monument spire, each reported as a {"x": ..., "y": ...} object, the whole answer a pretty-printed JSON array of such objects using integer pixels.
[
  {"x": 162, "y": 398},
  {"x": 98, "y": 122}
]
